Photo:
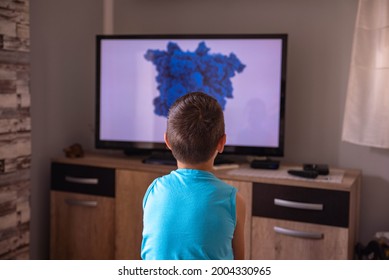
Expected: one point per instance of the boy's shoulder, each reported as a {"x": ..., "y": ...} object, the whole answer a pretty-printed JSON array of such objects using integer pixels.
[{"x": 191, "y": 177}]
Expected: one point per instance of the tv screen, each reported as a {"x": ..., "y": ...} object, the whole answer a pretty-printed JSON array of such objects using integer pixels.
[{"x": 140, "y": 76}]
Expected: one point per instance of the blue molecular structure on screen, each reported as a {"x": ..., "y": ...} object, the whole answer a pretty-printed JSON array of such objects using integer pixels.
[{"x": 181, "y": 72}]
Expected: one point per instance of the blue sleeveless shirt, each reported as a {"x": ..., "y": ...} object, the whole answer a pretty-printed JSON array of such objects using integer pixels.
[{"x": 189, "y": 215}]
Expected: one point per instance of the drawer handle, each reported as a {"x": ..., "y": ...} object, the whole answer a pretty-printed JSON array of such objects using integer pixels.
[
  {"x": 87, "y": 203},
  {"x": 298, "y": 205},
  {"x": 86, "y": 181},
  {"x": 298, "y": 233}
]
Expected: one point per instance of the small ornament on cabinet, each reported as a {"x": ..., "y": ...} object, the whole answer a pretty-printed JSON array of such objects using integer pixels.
[{"x": 74, "y": 151}]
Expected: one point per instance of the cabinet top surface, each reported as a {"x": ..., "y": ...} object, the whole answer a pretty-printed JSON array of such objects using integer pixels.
[{"x": 350, "y": 178}]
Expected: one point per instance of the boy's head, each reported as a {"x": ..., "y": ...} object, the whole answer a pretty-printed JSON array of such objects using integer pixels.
[{"x": 195, "y": 128}]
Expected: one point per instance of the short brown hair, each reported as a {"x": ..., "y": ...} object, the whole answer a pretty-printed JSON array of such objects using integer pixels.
[{"x": 194, "y": 127}]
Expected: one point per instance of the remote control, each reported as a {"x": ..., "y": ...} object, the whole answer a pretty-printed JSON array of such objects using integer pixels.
[{"x": 311, "y": 174}]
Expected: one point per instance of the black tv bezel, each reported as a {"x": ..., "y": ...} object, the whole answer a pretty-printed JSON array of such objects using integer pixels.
[{"x": 135, "y": 147}]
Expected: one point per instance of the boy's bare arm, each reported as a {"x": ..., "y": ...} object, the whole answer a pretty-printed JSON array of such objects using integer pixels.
[{"x": 238, "y": 241}]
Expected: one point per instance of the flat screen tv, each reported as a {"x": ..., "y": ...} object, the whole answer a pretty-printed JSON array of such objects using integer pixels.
[{"x": 138, "y": 77}]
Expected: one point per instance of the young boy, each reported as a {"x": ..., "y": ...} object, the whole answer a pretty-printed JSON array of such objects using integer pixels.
[{"x": 189, "y": 213}]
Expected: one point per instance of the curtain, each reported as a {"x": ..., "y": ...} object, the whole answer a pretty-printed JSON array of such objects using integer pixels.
[{"x": 366, "y": 118}]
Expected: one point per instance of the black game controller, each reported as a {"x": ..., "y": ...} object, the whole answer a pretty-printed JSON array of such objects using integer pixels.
[{"x": 321, "y": 169}]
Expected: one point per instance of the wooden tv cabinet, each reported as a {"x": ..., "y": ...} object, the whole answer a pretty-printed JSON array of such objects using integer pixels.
[{"x": 96, "y": 210}]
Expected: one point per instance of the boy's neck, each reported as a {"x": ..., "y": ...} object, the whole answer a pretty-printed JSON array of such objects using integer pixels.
[{"x": 205, "y": 166}]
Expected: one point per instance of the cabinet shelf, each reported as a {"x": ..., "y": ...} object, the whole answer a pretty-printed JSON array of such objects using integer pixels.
[{"x": 101, "y": 204}]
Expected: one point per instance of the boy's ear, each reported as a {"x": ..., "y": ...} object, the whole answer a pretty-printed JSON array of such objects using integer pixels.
[
  {"x": 221, "y": 143},
  {"x": 166, "y": 141}
]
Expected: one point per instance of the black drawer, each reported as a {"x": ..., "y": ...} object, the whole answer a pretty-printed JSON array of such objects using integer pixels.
[
  {"x": 83, "y": 179},
  {"x": 319, "y": 206}
]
